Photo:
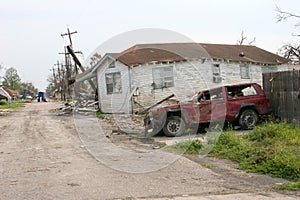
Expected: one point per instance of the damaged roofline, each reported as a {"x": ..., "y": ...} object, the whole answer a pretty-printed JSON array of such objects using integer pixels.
[{"x": 93, "y": 72}]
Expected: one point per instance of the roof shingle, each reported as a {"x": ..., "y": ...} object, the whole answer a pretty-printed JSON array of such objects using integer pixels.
[{"x": 145, "y": 53}]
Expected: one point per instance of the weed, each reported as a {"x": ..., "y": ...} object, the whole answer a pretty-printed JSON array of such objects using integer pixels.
[
  {"x": 187, "y": 147},
  {"x": 98, "y": 113},
  {"x": 207, "y": 165},
  {"x": 294, "y": 186},
  {"x": 13, "y": 105},
  {"x": 2, "y": 103},
  {"x": 271, "y": 148}
]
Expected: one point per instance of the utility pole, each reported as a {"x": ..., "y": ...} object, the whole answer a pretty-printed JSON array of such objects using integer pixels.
[
  {"x": 61, "y": 80},
  {"x": 69, "y": 35},
  {"x": 76, "y": 60},
  {"x": 68, "y": 64}
]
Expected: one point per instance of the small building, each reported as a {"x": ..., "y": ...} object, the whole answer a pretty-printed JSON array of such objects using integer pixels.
[{"x": 146, "y": 73}]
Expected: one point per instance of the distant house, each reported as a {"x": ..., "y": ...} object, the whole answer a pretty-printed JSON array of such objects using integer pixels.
[{"x": 146, "y": 73}]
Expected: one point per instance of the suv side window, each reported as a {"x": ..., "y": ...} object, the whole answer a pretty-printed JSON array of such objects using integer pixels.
[
  {"x": 241, "y": 91},
  {"x": 211, "y": 95},
  {"x": 205, "y": 96},
  {"x": 216, "y": 94}
]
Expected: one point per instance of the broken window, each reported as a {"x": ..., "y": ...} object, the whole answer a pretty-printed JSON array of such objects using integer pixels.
[
  {"x": 241, "y": 91},
  {"x": 245, "y": 71},
  {"x": 163, "y": 77},
  {"x": 216, "y": 73},
  {"x": 113, "y": 83}
]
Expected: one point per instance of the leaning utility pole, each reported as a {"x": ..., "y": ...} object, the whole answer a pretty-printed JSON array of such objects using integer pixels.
[
  {"x": 69, "y": 34},
  {"x": 76, "y": 60}
]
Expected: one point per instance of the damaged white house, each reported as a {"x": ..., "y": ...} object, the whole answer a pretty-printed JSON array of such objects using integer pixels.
[{"x": 146, "y": 73}]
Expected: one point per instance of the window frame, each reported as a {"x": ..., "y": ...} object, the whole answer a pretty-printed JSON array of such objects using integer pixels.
[
  {"x": 114, "y": 83},
  {"x": 245, "y": 71},
  {"x": 164, "y": 77},
  {"x": 216, "y": 73}
]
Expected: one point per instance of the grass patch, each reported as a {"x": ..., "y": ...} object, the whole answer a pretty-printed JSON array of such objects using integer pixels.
[
  {"x": 270, "y": 148},
  {"x": 295, "y": 186},
  {"x": 98, "y": 113},
  {"x": 207, "y": 165},
  {"x": 186, "y": 147},
  {"x": 13, "y": 105}
]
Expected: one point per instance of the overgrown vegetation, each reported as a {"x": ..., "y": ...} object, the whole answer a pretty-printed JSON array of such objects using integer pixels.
[
  {"x": 271, "y": 148},
  {"x": 13, "y": 105},
  {"x": 98, "y": 113},
  {"x": 188, "y": 147},
  {"x": 289, "y": 186}
]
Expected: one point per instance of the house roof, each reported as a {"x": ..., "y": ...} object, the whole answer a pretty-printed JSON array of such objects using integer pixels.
[
  {"x": 145, "y": 53},
  {"x": 173, "y": 52}
]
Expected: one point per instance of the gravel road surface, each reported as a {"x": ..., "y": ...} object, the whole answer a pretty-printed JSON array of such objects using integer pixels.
[{"x": 42, "y": 156}]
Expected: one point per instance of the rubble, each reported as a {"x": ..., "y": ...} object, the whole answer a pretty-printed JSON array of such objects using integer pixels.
[{"x": 4, "y": 112}]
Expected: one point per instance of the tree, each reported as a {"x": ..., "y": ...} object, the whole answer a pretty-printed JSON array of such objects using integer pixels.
[
  {"x": 284, "y": 15},
  {"x": 27, "y": 88},
  {"x": 12, "y": 79},
  {"x": 289, "y": 51}
]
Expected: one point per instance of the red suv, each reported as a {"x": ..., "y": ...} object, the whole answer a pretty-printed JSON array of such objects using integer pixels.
[{"x": 238, "y": 102}]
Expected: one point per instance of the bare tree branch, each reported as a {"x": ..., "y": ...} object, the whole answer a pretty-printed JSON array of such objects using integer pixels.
[
  {"x": 240, "y": 42},
  {"x": 291, "y": 52},
  {"x": 252, "y": 41},
  {"x": 283, "y": 15}
]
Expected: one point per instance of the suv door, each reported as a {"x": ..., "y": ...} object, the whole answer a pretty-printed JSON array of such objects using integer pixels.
[
  {"x": 212, "y": 105},
  {"x": 239, "y": 96}
]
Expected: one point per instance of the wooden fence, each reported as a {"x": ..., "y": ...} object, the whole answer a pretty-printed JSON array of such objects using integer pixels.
[{"x": 282, "y": 88}]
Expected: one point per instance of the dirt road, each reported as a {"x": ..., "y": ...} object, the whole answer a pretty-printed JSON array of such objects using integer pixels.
[{"x": 43, "y": 157}]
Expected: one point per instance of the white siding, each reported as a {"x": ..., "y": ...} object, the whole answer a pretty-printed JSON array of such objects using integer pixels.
[
  {"x": 117, "y": 102},
  {"x": 189, "y": 77}
]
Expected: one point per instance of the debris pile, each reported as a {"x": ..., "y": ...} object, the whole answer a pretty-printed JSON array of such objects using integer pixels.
[
  {"x": 4, "y": 112},
  {"x": 133, "y": 124},
  {"x": 71, "y": 107}
]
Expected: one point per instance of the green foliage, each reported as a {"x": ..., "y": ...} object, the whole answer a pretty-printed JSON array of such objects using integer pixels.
[
  {"x": 3, "y": 102},
  {"x": 268, "y": 149},
  {"x": 12, "y": 79},
  {"x": 295, "y": 186},
  {"x": 187, "y": 147},
  {"x": 98, "y": 113},
  {"x": 28, "y": 88},
  {"x": 207, "y": 165},
  {"x": 13, "y": 105}
]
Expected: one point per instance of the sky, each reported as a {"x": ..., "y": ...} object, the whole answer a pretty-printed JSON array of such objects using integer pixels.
[{"x": 30, "y": 30}]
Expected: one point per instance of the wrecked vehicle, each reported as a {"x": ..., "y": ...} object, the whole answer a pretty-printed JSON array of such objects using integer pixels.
[{"x": 242, "y": 103}]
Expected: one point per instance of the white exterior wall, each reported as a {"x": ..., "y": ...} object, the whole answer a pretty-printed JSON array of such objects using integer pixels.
[
  {"x": 190, "y": 77},
  {"x": 117, "y": 102}
]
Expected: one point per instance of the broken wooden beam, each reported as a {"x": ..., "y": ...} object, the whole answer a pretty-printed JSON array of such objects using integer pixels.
[{"x": 156, "y": 104}]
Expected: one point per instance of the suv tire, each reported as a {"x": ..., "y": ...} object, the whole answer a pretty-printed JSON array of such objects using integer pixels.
[
  {"x": 248, "y": 119},
  {"x": 174, "y": 126}
]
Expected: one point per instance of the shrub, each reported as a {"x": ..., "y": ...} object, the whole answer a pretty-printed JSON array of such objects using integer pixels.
[
  {"x": 3, "y": 102},
  {"x": 270, "y": 148},
  {"x": 289, "y": 186},
  {"x": 187, "y": 147}
]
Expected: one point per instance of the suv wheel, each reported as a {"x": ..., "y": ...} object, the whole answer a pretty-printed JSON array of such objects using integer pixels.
[
  {"x": 248, "y": 119},
  {"x": 174, "y": 126}
]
